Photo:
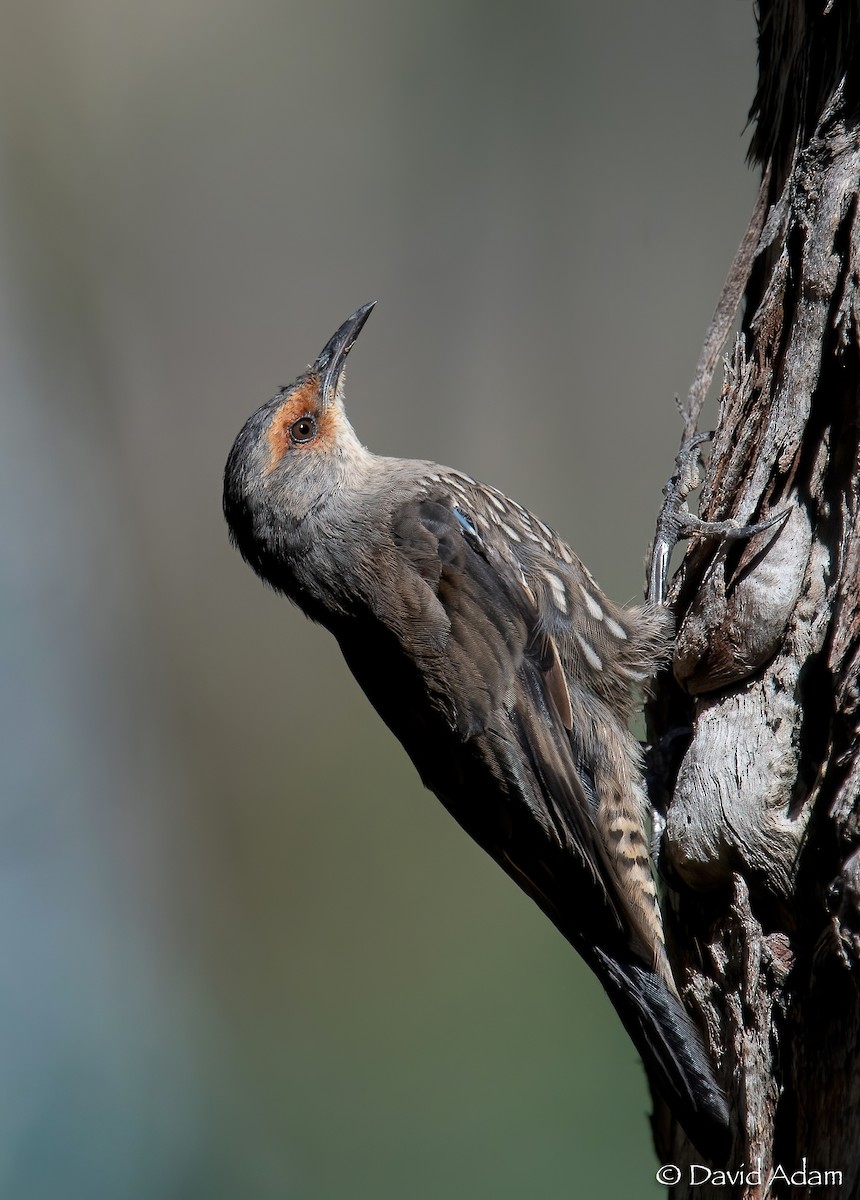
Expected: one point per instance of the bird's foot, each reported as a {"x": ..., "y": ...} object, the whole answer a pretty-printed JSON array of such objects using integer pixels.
[{"x": 676, "y": 521}]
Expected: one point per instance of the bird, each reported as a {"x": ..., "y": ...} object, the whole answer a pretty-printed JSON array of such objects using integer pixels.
[{"x": 508, "y": 676}]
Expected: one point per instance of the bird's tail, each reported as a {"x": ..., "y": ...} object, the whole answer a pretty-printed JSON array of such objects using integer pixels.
[{"x": 672, "y": 1052}]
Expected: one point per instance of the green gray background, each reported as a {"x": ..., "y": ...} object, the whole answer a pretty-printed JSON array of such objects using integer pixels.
[{"x": 243, "y": 954}]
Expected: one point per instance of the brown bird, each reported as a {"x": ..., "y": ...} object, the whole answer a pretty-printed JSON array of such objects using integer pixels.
[{"x": 490, "y": 652}]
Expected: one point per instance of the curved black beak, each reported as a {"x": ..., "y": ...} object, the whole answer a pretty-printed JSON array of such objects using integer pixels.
[{"x": 329, "y": 366}]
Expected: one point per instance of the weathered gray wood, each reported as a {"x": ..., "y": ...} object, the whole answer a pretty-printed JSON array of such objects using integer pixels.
[{"x": 762, "y": 839}]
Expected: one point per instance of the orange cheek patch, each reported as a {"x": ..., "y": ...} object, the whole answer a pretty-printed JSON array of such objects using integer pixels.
[{"x": 301, "y": 403}]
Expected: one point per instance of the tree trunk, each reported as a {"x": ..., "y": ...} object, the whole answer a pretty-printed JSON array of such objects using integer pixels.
[{"x": 761, "y": 713}]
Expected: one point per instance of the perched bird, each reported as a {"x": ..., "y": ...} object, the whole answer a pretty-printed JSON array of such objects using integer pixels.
[{"x": 490, "y": 652}]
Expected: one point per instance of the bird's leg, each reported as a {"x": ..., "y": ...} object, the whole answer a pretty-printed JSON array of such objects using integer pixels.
[{"x": 676, "y": 521}]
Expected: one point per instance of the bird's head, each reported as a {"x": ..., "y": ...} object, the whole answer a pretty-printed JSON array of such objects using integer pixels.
[{"x": 292, "y": 456}]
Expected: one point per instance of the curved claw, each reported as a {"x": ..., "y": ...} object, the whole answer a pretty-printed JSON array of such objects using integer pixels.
[
  {"x": 676, "y": 521},
  {"x": 730, "y": 530}
]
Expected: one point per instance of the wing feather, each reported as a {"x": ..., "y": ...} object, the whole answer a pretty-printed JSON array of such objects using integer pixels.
[{"x": 499, "y": 679}]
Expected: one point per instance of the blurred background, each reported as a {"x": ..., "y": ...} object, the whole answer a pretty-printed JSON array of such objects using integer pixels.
[{"x": 243, "y": 953}]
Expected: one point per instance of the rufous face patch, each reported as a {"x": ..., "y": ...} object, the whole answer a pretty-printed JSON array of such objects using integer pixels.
[{"x": 301, "y": 402}]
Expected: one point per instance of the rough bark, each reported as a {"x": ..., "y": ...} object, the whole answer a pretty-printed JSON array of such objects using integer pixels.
[{"x": 761, "y": 712}]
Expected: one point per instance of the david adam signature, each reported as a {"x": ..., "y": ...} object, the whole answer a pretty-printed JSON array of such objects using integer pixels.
[{"x": 698, "y": 1173}]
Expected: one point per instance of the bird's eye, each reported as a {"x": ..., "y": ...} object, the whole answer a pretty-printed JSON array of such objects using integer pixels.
[{"x": 303, "y": 430}]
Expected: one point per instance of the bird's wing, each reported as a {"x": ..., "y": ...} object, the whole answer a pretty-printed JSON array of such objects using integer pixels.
[
  {"x": 489, "y": 664},
  {"x": 483, "y": 616}
]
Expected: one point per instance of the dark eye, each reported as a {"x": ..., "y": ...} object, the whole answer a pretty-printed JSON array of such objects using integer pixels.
[{"x": 303, "y": 430}]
